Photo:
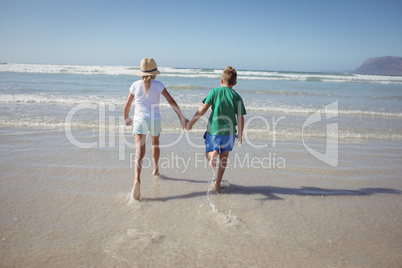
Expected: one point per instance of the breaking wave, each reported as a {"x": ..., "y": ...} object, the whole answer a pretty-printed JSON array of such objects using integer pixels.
[{"x": 199, "y": 73}]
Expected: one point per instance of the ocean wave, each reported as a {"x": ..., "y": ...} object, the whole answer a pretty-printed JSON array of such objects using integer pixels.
[
  {"x": 286, "y": 93},
  {"x": 69, "y": 69},
  {"x": 199, "y": 73},
  {"x": 301, "y": 110},
  {"x": 333, "y": 94},
  {"x": 71, "y": 100},
  {"x": 185, "y": 87},
  {"x": 60, "y": 100},
  {"x": 249, "y": 133}
]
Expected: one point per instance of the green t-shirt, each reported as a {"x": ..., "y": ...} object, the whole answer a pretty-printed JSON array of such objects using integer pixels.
[{"x": 226, "y": 104}]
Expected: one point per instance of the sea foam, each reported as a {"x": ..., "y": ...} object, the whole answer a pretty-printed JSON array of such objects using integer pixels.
[{"x": 199, "y": 73}]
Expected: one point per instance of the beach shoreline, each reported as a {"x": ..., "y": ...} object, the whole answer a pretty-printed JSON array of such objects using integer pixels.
[{"x": 64, "y": 204}]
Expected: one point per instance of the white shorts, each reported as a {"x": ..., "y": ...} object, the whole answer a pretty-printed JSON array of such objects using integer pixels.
[{"x": 145, "y": 125}]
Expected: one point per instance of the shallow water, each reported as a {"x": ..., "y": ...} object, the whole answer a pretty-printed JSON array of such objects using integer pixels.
[
  {"x": 277, "y": 103},
  {"x": 67, "y": 206}
]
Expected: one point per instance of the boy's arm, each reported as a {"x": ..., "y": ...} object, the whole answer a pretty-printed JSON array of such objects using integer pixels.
[
  {"x": 175, "y": 107},
  {"x": 240, "y": 127},
  {"x": 127, "y": 120},
  {"x": 200, "y": 112}
]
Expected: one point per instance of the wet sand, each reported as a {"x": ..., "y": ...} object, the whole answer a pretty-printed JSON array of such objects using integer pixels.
[{"x": 67, "y": 206}]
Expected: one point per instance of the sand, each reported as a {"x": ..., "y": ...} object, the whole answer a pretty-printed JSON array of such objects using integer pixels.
[{"x": 64, "y": 206}]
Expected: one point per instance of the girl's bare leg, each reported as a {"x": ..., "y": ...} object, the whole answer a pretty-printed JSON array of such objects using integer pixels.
[
  {"x": 155, "y": 154},
  {"x": 139, "y": 156}
]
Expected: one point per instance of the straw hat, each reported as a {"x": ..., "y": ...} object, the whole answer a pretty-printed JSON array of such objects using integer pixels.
[{"x": 148, "y": 67}]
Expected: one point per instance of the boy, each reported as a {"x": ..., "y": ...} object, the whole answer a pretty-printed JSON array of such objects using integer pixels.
[{"x": 219, "y": 138}]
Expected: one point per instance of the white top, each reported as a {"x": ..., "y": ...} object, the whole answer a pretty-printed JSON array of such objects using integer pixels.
[{"x": 147, "y": 106}]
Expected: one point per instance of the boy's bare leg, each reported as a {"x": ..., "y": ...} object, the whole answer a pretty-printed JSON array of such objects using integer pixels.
[
  {"x": 155, "y": 154},
  {"x": 223, "y": 160},
  {"x": 139, "y": 156},
  {"x": 212, "y": 157}
]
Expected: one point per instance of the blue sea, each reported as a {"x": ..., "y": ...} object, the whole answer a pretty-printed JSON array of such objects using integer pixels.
[{"x": 42, "y": 96}]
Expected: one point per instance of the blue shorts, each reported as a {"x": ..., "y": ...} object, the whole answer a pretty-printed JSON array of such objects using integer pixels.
[
  {"x": 145, "y": 125},
  {"x": 219, "y": 143}
]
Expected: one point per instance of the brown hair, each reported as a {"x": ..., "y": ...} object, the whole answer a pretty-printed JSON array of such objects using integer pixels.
[
  {"x": 229, "y": 75},
  {"x": 146, "y": 79}
]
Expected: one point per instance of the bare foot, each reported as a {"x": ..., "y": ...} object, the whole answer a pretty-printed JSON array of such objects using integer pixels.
[
  {"x": 218, "y": 187},
  {"x": 213, "y": 160},
  {"x": 155, "y": 172},
  {"x": 136, "y": 191}
]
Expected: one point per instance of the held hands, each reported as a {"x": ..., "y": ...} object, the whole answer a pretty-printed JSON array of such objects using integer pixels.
[
  {"x": 184, "y": 123},
  {"x": 189, "y": 126}
]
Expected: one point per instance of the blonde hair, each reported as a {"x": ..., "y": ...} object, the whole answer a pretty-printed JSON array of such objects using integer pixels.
[
  {"x": 147, "y": 79},
  {"x": 229, "y": 75}
]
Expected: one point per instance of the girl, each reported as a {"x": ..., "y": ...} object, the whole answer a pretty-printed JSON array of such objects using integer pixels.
[{"x": 146, "y": 94}]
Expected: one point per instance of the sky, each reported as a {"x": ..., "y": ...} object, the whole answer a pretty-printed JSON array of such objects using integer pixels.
[{"x": 278, "y": 35}]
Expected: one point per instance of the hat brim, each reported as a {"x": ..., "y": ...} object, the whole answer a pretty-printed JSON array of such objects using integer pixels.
[{"x": 141, "y": 73}]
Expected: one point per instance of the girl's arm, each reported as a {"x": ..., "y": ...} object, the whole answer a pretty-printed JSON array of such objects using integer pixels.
[
  {"x": 175, "y": 107},
  {"x": 127, "y": 120}
]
